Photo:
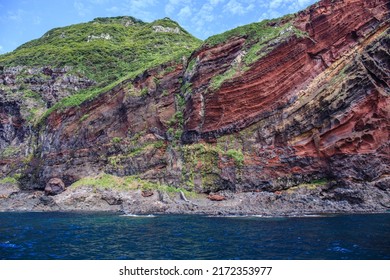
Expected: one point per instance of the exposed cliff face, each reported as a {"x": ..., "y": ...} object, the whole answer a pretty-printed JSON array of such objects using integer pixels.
[
  {"x": 122, "y": 132},
  {"x": 44, "y": 85},
  {"x": 11, "y": 123},
  {"x": 295, "y": 101},
  {"x": 315, "y": 105},
  {"x": 271, "y": 83},
  {"x": 25, "y": 94}
]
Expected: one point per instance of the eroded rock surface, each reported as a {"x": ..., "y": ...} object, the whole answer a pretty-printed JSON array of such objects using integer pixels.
[{"x": 54, "y": 186}]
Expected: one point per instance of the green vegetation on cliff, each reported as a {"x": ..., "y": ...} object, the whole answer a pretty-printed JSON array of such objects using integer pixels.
[
  {"x": 8, "y": 180},
  {"x": 257, "y": 31},
  {"x": 112, "y": 182},
  {"x": 106, "y": 49},
  {"x": 260, "y": 39}
]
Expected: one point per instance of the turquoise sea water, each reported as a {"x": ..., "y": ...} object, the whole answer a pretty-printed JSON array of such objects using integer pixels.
[{"x": 110, "y": 236}]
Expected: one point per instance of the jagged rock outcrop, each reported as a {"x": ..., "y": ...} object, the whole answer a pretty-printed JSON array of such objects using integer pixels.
[{"x": 54, "y": 186}]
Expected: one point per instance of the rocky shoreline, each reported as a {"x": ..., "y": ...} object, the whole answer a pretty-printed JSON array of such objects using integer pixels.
[
  {"x": 288, "y": 116},
  {"x": 299, "y": 202}
]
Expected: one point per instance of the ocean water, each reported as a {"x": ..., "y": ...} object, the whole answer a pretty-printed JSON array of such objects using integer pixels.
[{"x": 112, "y": 236}]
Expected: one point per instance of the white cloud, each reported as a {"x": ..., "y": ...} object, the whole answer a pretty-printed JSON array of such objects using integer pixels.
[
  {"x": 174, "y": 5},
  {"x": 274, "y": 4},
  {"x": 270, "y": 14},
  {"x": 16, "y": 15},
  {"x": 1, "y": 48},
  {"x": 169, "y": 9},
  {"x": 206, "y": 13},
  {"x": 185, "y": 12},
  {"x": 290, "y": 4},
  {"x": 175, "y": 2},
  {"x": 303, "y": 3},
  {"x": 139, "y": 8},
  {"x": 237, "y": 8},
  {"x": 140, "y": 4},
  {"x": 216, "y": 2},
  {"x": 37, "y": 20},
  {"x": 113, "y": 10},
  {"x": 80, "y": 8},
  {"x": 203, "y": 17},
  {"x": 98, "y": 2}
]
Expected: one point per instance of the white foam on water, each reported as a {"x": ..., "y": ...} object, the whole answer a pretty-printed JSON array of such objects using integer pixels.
[
  {"x": 8, "y": 244},
  {"x": 138, "y": 216}
]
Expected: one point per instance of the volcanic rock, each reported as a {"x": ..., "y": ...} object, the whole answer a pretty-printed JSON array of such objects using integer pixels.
[
  {"x": 54, "y": 186},
  {"x": 147, "y": 193},
  {"x": 216, "y": 197}
]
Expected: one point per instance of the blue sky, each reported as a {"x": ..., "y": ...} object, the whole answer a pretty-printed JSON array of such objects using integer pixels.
[{"x": 22, "y": 21}]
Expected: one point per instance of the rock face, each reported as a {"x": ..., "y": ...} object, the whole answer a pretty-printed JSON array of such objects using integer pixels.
[
  {"x": 123, "y": 132},
  {"x": 159, "y": 28},
  {"x": 48, "y": 84},
  {"x": 315, "y": 105},
  {"x": 11, "y": 122},
  {"x": 25, "y": 94},
  {"x": 306, "y": 106},
  {"x": 54, "y": 186},
  {"x": 335, "y": 33}
]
